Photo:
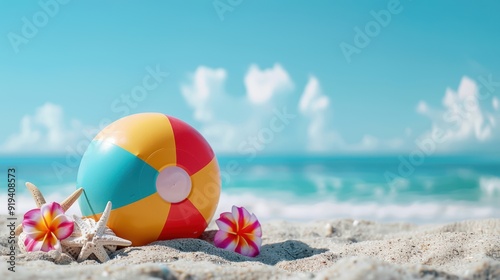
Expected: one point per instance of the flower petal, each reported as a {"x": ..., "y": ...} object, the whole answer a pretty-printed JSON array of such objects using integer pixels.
[
  {"x": 50, "y": 211},
  {"x": 254, "y": 246},
  {"x": 50, "y": 243},
  {"x": 225, "y": 240},
  {"x": 249, "y": 218},
  {"x": 248, "y": 247},
  {"x": 226, "y": 223},
  {"x": 62, "y": 226},
  {"x": 243, "y": 248},
  {"x": 33, "y": 214},
  {"x": 33, "y": 224},
  {"x": 252, "y": 229},
  {"x": 240, "y": 214},
  {"x": 33, "y": 245}
]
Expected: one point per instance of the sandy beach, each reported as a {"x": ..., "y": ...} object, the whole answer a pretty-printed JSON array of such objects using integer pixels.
[{"x": 337, "y": 249}]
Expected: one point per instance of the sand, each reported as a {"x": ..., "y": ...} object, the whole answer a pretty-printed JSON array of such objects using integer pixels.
[{"x": 338, "y": 249}]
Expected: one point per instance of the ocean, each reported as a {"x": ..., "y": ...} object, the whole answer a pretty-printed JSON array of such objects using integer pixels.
[{"x": 304, "y": 188}]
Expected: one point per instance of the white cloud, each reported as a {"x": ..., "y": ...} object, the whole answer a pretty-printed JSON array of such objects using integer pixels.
[
  {"x": 314, "y": 105},
  {"x": 321, "y": 137},
  {"x": 495, "y": 103},
  {"x": 205, "y": 84},
  {"x": 45, "y": 131},
  {"x": 205, "y": 93},
  {"x": 463, "y": 109},
  {"x": 262, "y": 84},
  {"x": 228, "y": 120},
  {"x": 422, "y": 107},
  {"x": 233, "y": 123},
  {"x": 313, "y": 100},
  {"x": 462, "y": 119}
]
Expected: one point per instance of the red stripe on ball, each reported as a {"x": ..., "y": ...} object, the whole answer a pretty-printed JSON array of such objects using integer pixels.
[
  {"x": 184, "y": 221},
  {"x": 193, "y": 151}
]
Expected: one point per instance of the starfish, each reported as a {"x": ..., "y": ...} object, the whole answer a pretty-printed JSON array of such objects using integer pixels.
[
  {"x": 94, "y": 237},
  {"x": 40, "y": 200}
]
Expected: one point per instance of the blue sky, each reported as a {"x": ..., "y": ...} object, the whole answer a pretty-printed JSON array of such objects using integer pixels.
[{"x": 229, "y": 72}]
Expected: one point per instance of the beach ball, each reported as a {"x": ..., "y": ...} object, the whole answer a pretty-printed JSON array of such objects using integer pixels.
[{"x": 160, "y": 174}]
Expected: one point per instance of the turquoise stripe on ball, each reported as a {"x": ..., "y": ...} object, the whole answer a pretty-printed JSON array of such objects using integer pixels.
[{"x": 110, "y": 173}]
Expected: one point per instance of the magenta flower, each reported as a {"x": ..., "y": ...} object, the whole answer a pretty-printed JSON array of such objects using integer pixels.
[
  {"x": 44, "y": 228},
  {"x": 239, "y": 232}
]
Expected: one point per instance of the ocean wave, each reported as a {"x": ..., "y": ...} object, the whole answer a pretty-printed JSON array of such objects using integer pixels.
[
  {"x": 295, "y": 209},
  {"x": 490, "y": 186},
  {"x": 268, "y": 209}
]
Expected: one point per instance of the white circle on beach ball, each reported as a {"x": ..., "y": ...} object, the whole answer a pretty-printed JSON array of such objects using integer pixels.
[{"x": 173, "y": 184}]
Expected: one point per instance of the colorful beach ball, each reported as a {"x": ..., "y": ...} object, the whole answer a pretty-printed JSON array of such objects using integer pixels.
[{"x": 160, "y": 174}]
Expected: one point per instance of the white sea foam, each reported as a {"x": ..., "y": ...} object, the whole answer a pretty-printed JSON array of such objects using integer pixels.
[
  {"x": 288, "y": 208},
  {"x": 490, "y": 186},
  {"x": 419, "y": 212},
  {"x": 324, "y": 183}
]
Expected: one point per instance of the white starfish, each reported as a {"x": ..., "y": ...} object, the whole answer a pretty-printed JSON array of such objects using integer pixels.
[
  {"x": 94, "y": 237},
  {"x": 40, "y": 200}
]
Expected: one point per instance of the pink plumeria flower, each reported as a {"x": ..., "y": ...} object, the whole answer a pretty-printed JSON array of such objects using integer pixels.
[
  {"x": 239, "y": 232},
  {"x": 44, "y": 227}
]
